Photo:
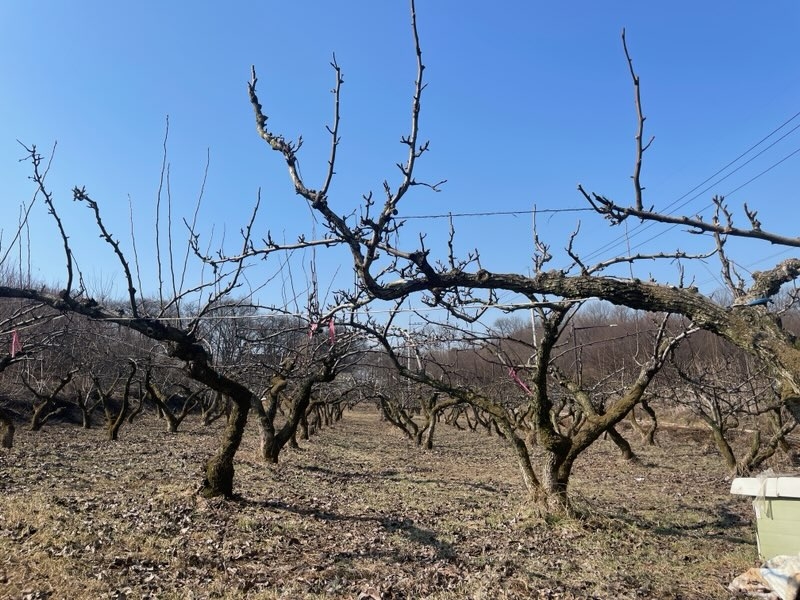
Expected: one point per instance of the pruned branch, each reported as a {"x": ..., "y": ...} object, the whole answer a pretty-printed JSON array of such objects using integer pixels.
[
  {"x": 640, "y": 148},
  {"x": 38, "y": 178},
  {"x": 80, "y": 195},
  {"x": 334, "y": 129},
  {"x": 617, "y": 213}
]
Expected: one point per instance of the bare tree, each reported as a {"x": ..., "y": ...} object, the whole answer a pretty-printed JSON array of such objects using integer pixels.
[
  {"x": 186, "y": 400},
  {"x": 30, "y": 330},
  {"x": 115, "y": 412},
  {"x": 176, "y": 318},
  {"x": 389, "y": 268},
  {"x": 86, "y": 398},
  {"x": 317, "y": 361},
  {"x": 390, "y": 271},
  {"x": 94, "y": 347},
  {"x": 730, "y": 392},
  {"x": 45, "y": 386},
  {"x": 545, "y": 442},
  {"x": 213, "y": 405}
]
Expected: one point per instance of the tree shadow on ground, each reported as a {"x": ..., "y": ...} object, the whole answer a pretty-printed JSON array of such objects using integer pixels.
[
  {"x": 390, "y": 524},
  {"x": 721, "y": 522},
  {"x": 393, "y": 475}
]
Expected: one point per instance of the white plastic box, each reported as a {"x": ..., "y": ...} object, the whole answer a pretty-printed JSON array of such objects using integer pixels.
[{"x": 777, "y": 507}]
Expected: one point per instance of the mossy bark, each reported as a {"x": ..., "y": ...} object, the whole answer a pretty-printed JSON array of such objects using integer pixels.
[{"x": 219, "y": 469}]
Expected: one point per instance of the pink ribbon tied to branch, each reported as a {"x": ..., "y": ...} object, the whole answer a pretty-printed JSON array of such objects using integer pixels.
[
  {"x": 331, "y": 330},
  {"x": 513, "y": 374},
  {"x": 16, "y": 345}
]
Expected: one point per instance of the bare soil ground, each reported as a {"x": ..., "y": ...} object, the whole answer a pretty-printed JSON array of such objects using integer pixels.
[{"x": 359, "y": 513}]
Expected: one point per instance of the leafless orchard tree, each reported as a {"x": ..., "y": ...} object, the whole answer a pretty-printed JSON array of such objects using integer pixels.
[
  {"x": 329, "y": 403},
  {"x": 45, "y": 381},
  {"x": 304, "y": 370},
  {"x": 100, "y": 352},
  {"x": 213, "y": 405},
  {"x": 530, "y": 409},
  {"x": 114, "y": 389},
  {"x": 731, "y": 393},
  {"x": 27, "y": 329},
  {"x": 173, "y": 407},
  {"x": 177, "y": 317},
  {"x": 390, "y": 270},
  {"x": 410, "y": 405}
]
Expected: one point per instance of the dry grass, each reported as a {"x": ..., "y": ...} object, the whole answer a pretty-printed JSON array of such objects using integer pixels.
[{"x": 359, "y": 513}]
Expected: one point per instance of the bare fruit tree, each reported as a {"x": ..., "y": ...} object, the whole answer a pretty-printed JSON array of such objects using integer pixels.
[
  {"x": 303, "y": 373},
  {"x": 390, "y": 270},
  {"x": 526, "y": 400},
  {"x": 732, "y": 394},
  {"x": 27, "y": 330},
  {"x": 177, "y": 315}
]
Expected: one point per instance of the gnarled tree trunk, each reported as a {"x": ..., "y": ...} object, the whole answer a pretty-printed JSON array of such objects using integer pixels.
[
  {"x": 648, "y": 432},
  {"x": 622, "y": 444},
  {"x": 219, "y": 469},
  {"x": 6, "y": 429},
  {"x": 274, "y": 440},
  {"x": 41, "y": 413}
]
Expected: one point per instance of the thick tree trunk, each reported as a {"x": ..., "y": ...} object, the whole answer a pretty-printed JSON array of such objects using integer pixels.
[
  {"x": 6, "y": 430},
  {"x": 42, "y": 413},
  {"x": 648, "y": 432},
  {"x": 724, "y": 448},
  {"x": 428, "y": 443},
  {"x": 269, "y": 447},
  {"x": 115, "y": 424},
  {"x": 219, "y": 469},
  {"x": 548, "y": 493},
  {"x": 556, "y": 469},
  {"x": 172, "y": 422},
  {"x": 266, "y": 422},
  {"x": 86, "y": 418},
  {"x": 274, "y": 441},
  {"x": 304, "y": 426},
  {"x": 39, "y": 415},
  {"x": 622, "y": 444}
]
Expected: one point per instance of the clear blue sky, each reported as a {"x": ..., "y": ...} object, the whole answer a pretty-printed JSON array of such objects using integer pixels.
[{"x": 524, "y": 101}]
